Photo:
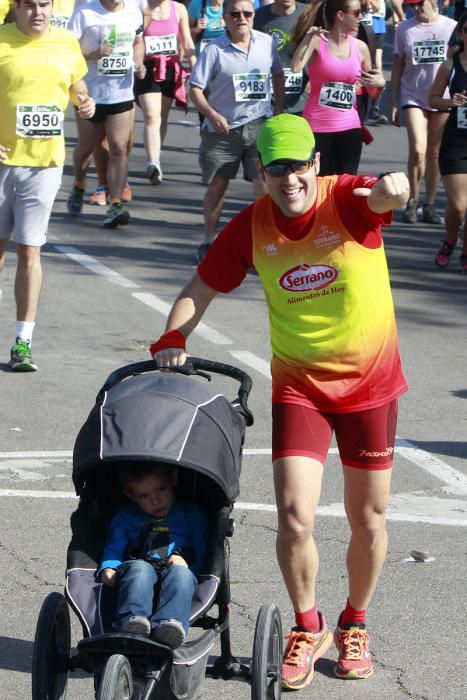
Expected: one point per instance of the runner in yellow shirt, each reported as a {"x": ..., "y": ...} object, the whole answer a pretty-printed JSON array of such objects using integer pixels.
[
  {"x": 41, "y": 69},
  {"x": 6, "y": 7}
]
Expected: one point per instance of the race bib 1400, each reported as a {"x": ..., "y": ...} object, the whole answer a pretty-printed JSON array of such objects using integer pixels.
[{"x": 337, "y": 95}]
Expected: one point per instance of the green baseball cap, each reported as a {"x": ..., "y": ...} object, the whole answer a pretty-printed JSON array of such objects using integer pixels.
[{"x": 285, "y": 137}]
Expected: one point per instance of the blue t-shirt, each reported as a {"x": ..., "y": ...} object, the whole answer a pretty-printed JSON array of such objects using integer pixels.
[{"x": 215, "y": 26}]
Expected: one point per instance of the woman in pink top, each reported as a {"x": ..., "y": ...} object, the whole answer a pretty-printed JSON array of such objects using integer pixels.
[
  {"x": 166, "y": 30},
  {"x": 337, "y": 63}
]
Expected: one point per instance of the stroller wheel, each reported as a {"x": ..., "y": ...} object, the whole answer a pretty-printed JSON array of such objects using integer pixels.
[
  {"x": 116, "y": 681},
  {"x": 267, "y": 655},
  {"x": 52, "y": 643}
]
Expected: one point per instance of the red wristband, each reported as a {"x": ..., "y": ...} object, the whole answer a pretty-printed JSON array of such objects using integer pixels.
[{"x": 172, "y": 339}]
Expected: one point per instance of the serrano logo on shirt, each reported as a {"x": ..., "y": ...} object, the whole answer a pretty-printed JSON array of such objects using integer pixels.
[{"x": 304, "y": 277}]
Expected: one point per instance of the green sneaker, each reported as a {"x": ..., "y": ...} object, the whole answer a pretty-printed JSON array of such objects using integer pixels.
[
  {"x": 75, "y": 201},
  {"x": 21, "y": 358}
]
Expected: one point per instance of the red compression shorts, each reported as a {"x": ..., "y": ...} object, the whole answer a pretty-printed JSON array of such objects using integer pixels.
[{"x": 365, "y": 439}]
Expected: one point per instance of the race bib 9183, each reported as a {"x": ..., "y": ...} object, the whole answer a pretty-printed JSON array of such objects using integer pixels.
[
  {"x": 251, "y": 86},
  {"x": 39, "y": 121}
]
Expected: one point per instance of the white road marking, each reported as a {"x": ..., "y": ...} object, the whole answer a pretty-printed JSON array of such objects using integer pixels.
[
  {"x": 403, "y": 507},
  {"x": 202, "y": 329},
  {"x": 97, "y": 267},
  {"x": 252, "y": 360},
  {"x": 454, "y": 480}
]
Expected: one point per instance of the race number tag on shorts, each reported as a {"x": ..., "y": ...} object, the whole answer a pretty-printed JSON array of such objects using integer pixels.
[
  {"x": 367, "y": 19},
  {"x": 251, "y": 86},
  {"x": 161, "y": 44},
  {"x": 428, "y": 51},
  {"x": 60, "y": 21},
  {"x": 337, "y": 95},
  {"x": 293, "y": 82},
  {"x": 115, "y": 65},
  {"x": 462, "y": 117},
  {"x": 39, "y": 121}
]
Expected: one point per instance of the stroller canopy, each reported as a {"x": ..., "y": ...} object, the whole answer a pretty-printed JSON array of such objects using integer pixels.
[{"x": 163, "y": 417}]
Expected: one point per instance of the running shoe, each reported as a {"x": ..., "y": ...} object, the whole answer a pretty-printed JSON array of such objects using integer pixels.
[
  {"x": 75, "y": 201},
  {"x": 169, "y": 632},
  {"x": 202, "y": 251},
  {"x": 154, "y": 174},
  {"x": 410, "y": 214},
  {"x": 116, "y": 216},
  {"x": 377, "y": 120},
  {"x": 99, "y": 197},
  {"x": 302, "y": 651},
  {"x": 429, "y": 215},
  {"x": 21, "y": 358},
  {"x": 354, "y": 662},
  {"x": 463, "y": 262},
  {"x": 127, "y": 194},
  {"x": 137, "y": 624},
  {"x": 443, "y": 256}
]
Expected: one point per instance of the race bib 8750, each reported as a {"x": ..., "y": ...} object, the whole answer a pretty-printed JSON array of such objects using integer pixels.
[
  {"x": 116, "y": 65},
  {"x": 39, "y": 121}
]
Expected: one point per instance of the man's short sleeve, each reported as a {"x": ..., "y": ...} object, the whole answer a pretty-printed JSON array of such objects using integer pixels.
[
  {"x": 76, "y": 24},
  {"x": 204, "y": 67}
]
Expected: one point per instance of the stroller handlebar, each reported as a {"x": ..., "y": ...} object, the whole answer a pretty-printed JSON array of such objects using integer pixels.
[{"x": 193, "y": 366}]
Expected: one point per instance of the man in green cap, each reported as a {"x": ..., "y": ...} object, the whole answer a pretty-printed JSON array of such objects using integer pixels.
[{"x": 316, "y": 244}]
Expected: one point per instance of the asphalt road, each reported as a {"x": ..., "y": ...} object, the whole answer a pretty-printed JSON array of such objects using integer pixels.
[{"x": 104, "y": 300}]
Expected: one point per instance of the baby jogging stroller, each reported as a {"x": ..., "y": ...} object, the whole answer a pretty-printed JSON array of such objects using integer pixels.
[{"x": 142, "y": 414}]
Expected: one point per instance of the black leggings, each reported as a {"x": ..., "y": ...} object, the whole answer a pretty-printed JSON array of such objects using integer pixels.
[{"x": 340, "y": 151}]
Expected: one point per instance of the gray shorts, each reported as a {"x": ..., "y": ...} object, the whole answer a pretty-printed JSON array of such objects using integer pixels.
[
  {"x": 26, "y": 199},
  {"x": 221, "y": 154}
]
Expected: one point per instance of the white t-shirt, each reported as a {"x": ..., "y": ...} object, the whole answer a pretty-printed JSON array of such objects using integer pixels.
[
  {"x": 110, "y": 79},
  {"x": 423, "y": 47}
]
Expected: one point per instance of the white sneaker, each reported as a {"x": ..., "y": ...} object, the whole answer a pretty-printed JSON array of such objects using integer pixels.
[{"x": 154, "y": 174}]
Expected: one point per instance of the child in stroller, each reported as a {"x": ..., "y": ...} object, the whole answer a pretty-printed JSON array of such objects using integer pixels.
[
  {"x": 144, "y": 416},
  {"x": 154, "y": 542}
]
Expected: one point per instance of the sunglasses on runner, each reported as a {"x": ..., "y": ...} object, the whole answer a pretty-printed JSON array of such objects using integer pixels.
[
  {"x": 279, "y": 169},
  {"x": 355, "y": 13},
  {"x": 236, "y": 14}
]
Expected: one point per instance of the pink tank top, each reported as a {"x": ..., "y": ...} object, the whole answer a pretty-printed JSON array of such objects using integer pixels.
[
  {"x": 167, "y": 29},
  {"x": 332, "y": 104}
]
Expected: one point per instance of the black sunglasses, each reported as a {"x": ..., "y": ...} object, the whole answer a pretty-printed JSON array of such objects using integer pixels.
[
  {"x": 236, "y": 14},
  {"x": 279, "y": 169}
]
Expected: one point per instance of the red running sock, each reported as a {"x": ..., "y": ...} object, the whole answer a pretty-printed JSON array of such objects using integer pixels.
[
  {"x": 350, "y": 615},
  {"x": 308, "y": 619}
]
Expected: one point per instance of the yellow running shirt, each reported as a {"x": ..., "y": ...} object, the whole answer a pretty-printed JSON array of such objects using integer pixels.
[
  {"x": 62, "y": 11},
  {"x": 5, "y": 7},
  {"x": 36, "y": 75},
  {"x": 333, "y": 330}
]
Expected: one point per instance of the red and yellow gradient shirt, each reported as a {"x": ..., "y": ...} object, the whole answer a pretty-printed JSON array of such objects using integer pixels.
[{"x": 332, "y": 323}]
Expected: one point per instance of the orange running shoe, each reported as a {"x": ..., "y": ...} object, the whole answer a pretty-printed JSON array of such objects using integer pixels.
[
  {"x": 302, "y": 652},
  {"x": 354, "y": 661},
  {"x": 127, "y": 194},
  {"x": 99, "y": 197}
]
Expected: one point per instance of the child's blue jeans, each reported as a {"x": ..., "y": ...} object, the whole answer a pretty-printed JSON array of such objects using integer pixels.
[{"x": 137, "y": 579}]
